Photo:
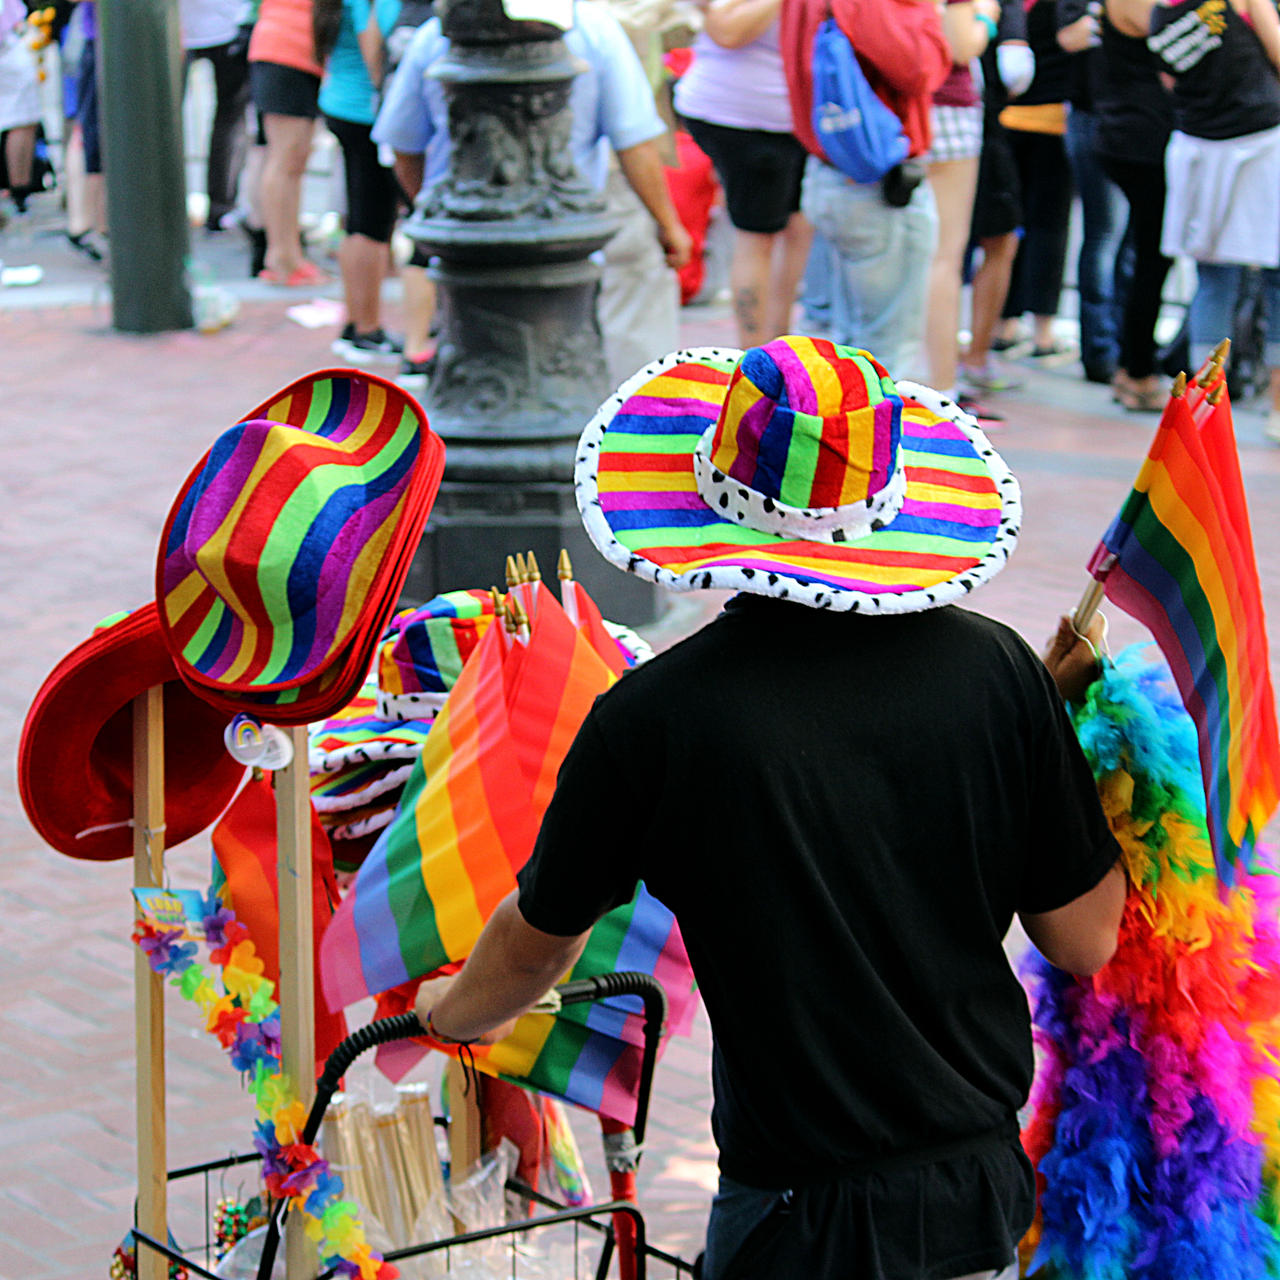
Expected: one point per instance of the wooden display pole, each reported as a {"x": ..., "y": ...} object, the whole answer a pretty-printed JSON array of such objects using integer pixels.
[
  {"x": 466, "y": 1125},
  {"x": 148, "y": 873},
  {"x": 297, "y": 968}
]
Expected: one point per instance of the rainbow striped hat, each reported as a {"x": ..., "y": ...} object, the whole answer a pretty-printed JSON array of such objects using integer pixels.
[
  {"x": 285, "y": 551},
  {"x": 423, "y": 652},
  {"x": 800, "y": 470}
]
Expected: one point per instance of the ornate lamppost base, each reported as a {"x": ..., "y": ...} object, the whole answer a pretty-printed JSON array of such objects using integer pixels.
[{"x": 474, "y": 527}]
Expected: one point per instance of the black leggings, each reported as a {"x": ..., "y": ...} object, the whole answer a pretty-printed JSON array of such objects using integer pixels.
[
  {"x": 1045, "y": 180},
  {"x": 373, "y": 193},
  {"x": 1143, "y": 186},
  {"x": 228, "y": 135}
]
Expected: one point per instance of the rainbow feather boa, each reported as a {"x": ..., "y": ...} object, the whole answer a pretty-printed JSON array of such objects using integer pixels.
[
  {"x": 244, "y": 1016},
  {"x": 1155, "y": 1118}
]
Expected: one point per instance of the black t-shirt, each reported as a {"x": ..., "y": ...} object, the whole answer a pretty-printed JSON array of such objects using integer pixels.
[
  {"x": 1086, "y": 65},
  {"x": 1226, "y": 86},
  {"x": 1053, "y": 78},
  {"x": 1135, "y": 111},
  {"x": 843, "y": 813}
]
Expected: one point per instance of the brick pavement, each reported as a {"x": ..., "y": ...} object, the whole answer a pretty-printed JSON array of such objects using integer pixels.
[{"x": 98, "y": 431}]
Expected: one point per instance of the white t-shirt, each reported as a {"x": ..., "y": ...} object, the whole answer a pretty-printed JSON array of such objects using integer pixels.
[{"x": 209, "y": 23}]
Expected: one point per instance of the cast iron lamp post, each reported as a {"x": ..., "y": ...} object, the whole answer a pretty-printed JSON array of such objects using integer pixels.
[{"x": 520, "y": 367}]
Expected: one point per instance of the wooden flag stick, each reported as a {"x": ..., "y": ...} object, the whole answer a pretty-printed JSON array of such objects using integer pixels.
[
  {"x": 148, "y": 986},
  {"x": 297, "y": 959}
]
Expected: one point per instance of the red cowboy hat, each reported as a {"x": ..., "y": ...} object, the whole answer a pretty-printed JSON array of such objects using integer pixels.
[{"x": 75, "y": 758}]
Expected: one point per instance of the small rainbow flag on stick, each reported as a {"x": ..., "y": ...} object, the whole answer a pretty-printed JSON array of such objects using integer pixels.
[
  {"x": 1179, "y": 558},
  {"x": 467, "y": 824}
]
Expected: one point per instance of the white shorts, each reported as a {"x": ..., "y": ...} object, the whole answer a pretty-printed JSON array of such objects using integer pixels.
[
  {"x": 19, "y": 87},
  {"x": 957, "y": 133}
]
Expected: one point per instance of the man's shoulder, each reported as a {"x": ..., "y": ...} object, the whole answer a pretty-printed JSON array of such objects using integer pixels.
[
  {"x": 653, "y": 684},
  {"x": 595, "y": 29},
  {"x": 427, "y": 44}
]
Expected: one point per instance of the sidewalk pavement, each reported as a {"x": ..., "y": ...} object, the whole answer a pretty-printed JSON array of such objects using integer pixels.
[{"x": 99, "y": 429}]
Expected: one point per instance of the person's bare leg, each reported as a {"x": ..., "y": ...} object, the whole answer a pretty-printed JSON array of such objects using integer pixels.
[
  {"x": 19, "y": 154},
  {"x": 251, "y": 186},
  {"x": 789, "y": 259},
  {"x": 1042, "y": 329},
  {"x": 954, "y": 183},
  {"x": 362, "y": 262},
  {"x": 95, "y": 185},
  {"x": 749, "y": 272},
  {"x": 79, "y": 217},
  {"x": 419, "y": 310},
  {"x": 990, "y": 288},
  {"x": 288, "y": 147}
]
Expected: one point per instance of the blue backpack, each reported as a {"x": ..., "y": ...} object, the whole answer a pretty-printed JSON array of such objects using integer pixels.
[{"x": 860, "y": 135}]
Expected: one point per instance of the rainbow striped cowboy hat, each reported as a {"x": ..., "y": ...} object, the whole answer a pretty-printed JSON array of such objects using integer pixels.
[
  {"x": 423, "y": 651},
  {"x": 797, "y": 470},
  {"x": 284, "y": 553}
]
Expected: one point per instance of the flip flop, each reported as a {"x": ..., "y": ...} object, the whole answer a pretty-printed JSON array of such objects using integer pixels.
[{"x": 308, "y": 275}]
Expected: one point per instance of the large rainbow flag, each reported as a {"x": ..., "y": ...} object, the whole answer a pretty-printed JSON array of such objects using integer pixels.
[
  {"x": 1179, "y": 558},
  {"x": 467, "y": 823}
]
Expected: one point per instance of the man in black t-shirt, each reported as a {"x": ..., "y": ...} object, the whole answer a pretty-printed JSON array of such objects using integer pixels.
[{"x": 843, "y": 811}]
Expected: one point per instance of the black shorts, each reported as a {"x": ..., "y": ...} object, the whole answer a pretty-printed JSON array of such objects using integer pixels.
[
  {"x": 284, "y": 91},
  {"x": 373, "y": 194},
  {"x": 760, "y": 172},
  {"x": 997, "y": 203}
]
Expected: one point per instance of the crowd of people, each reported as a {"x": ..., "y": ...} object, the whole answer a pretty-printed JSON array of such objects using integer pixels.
[{"x": 1164, "y": 118}]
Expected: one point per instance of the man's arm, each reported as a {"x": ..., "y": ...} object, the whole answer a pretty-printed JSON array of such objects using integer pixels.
[
  {"x": 1081, "y": 937},
  {"x": 511, "y": 968},
  {"x": 409, "y": 168},
  {"x": 642, "y": 168}
]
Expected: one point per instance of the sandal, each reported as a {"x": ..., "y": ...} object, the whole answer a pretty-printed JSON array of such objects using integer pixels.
[
  {"x": 1138, "y": 397},
  {"x": 308, "y": 275}
]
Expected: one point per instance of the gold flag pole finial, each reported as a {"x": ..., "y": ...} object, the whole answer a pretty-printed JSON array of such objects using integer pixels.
[
  {"x": 496, "y": 596},
  {"x": 531, "y": 562},
  {"x": 518, "y": 620},
  {"x": 513, "y": 572},
  {"x": 1179, "y": 386},
  {"x": 521, "y": 568},
  {"x": 1218, "y": 392},
  {"x": 564, "y": 567}
]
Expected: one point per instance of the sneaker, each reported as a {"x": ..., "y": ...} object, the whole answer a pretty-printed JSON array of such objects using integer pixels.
[
  {"x": 416, "y": 373},
  {"x": 86, "y": 243},
  {"x": 986, "y": 378},
  {"x": 366, "y": 348}
]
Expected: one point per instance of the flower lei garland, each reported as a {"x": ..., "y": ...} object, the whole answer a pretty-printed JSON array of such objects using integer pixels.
[{"x": 245, "y": 1017}]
